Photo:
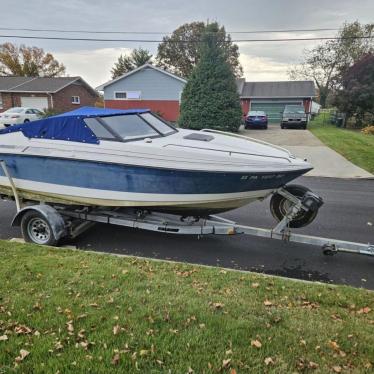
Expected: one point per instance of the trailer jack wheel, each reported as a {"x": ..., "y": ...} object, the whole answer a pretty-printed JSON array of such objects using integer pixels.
[
  {"x": 329, "y": 250},
  {"x": 280, "y": 205}
]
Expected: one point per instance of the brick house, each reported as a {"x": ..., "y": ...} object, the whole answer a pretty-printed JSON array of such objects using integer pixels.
[
  {"x": 150, "y": 87},
  {"x": 59, "y": 94}
]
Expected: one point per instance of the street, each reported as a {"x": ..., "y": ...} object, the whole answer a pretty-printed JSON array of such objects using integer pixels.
[{"x": 348, "y": 214}]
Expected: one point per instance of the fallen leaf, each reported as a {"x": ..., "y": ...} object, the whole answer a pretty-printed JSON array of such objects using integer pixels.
[
  {"x": 70, "y": 326},
  {"x": 115, "y": 359},
  {"x": 365, "y": 310},
  {"x": 58, "y": 346},
  {"x": 256, "y": 343},
  {"x": 269, "y": 361},
  {"x": 336, "y": 317},
  {"x": 22, "y": 355},
  {"x": 232, "y": 371},
  {"x": 337, "y": 369},
  {"x": 217, "y": 305},
  {"x": 3, "y": 338},
  {"x": 313, "y": 365},
  {"x": 334, "y": 345},
  {"x": 255, "y": 285},
  {"x": 226, "y": 363},
  {"x": 190, "y": 370},
  {"x": 268, "y": 303},
  {"x": 143, "y": 352},
  {"x": 37, "y": 306},
  {"x": 116, "y": 329},
  {"x": 22, "y": 329}
]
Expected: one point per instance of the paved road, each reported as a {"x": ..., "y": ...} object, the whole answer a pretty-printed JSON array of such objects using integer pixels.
[
  {"x": 326, "y": 162},
  {"x": 348, "y": 209}
]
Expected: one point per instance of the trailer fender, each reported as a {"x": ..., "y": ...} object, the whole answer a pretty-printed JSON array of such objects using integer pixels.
[{"x": 53, "y": 217}]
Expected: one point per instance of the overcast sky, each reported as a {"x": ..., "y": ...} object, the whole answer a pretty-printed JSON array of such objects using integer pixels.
[{"x": 93, "y": 60}]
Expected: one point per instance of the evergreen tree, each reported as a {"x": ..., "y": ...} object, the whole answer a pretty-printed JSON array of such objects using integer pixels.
[
  {"x": 138, "y": 57},
  {"x": 210, "y": 98}
]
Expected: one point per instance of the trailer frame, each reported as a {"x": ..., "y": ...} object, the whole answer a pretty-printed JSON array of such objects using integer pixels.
[{"x": 78, "y": 220}]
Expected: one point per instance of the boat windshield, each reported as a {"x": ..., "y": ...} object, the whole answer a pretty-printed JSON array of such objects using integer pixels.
[{"x": 129, "y": 127}]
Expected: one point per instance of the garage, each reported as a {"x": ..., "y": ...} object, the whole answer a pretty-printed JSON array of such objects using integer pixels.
[
  {"x": 272, "y": 97},
  {"x": 273, "y": 109},
  {"x": 39, "y": 102}
]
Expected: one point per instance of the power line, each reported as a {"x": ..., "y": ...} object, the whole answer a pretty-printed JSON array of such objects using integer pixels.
[
  {"x": 178, "y": 41},
  {"x": 160, "y": 32}
]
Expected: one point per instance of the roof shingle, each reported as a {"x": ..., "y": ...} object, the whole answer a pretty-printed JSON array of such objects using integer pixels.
[
  {"x": 277, "y": 89},
  {"x": 35, "y": 84}
]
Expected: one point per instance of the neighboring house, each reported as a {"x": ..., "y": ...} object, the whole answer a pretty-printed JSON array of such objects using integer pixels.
[
  {"x": 59, "y": 94},
  {"x": 271, "y": 97},
  {"x": 160, "y": 91},
  {"x": 145, "y": 87}
]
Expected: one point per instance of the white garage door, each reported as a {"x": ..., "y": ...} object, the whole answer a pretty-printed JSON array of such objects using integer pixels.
[{"x": 40, "y": 103}]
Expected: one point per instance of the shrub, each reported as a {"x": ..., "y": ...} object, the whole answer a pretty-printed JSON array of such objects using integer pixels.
[
  {"x": 50, "y": 112},
  {"x": 368, "y": 130}
]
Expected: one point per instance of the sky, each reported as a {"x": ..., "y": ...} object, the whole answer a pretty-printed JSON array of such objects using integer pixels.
[{"x": 261, "y": 61}]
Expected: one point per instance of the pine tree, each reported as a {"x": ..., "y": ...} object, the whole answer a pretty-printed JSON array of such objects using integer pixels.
[{"x": 210, "y": 98}]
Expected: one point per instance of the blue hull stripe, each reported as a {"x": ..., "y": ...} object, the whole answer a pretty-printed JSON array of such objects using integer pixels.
[{"x": 140, "y": 179}]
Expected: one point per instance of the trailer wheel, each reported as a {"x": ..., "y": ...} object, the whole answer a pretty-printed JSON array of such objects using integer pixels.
[
  {"x": 36, "y": 229},
  {"x": 279, "y": 206}
]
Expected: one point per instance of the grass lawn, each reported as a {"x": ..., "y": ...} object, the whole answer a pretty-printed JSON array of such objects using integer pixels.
[
  {"x": 64, "y": 311},
  {"x": 352, "y": 144}
]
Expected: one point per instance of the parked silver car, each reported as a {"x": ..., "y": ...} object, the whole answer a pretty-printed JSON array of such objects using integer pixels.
[{"x": 294, "y": 116}]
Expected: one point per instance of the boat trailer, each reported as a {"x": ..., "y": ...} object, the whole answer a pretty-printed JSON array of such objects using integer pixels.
[{"x": 47, "y": 224}]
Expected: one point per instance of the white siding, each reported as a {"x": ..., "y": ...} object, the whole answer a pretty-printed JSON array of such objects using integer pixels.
[{"x": 153, "y": 85}]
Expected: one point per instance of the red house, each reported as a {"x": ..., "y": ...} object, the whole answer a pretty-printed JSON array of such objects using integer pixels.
[{"x": 145, "y": 87}]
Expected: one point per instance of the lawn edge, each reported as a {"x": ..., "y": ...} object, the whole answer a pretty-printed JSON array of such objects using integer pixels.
[{"x": 211, "y": 267}]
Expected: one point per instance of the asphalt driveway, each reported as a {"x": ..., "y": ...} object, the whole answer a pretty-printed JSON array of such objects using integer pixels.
[{"x": 303, "y": 144}]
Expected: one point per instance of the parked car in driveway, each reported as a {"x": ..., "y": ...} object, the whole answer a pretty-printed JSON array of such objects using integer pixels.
[
  {"x": 294, "y": 116},
  {"x": 256, "y": 119},
  {"x": 18, "y": 115}
]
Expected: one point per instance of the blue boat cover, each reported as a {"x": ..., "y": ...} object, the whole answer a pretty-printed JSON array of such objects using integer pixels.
[{"x": 68, "y": 126}]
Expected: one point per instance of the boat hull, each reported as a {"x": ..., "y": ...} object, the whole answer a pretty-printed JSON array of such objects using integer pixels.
[{"x": 85, "y": 182}]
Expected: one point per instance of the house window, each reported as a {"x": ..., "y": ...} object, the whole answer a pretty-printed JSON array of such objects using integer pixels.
[
  {"x": 75, "y": 100},
  {"x": 1, "y": 102},
  {"x": 127, "y": 95}
]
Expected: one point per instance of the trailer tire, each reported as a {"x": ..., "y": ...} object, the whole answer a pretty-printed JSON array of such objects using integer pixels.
[
  {"x": 279, "y": 206},
  {"x": 36, "y": 229}
]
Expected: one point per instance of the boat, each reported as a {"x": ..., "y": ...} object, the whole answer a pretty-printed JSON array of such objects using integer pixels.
[{"x": 133, "y": 158}]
